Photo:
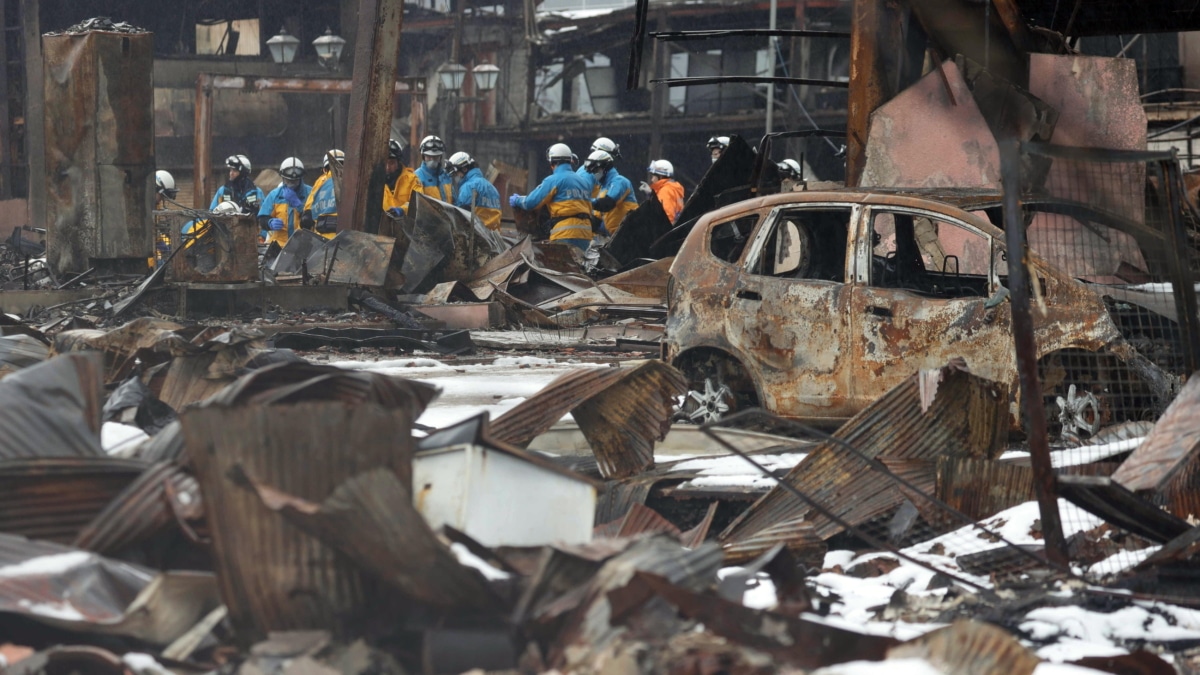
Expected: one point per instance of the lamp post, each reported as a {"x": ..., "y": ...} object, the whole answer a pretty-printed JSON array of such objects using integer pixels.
[
  {"x": 450, "y": 80},
  {"x": 486, "y": 75},
  {"x": 283, "y": 47},
  {"x": 329, "y": 49}
]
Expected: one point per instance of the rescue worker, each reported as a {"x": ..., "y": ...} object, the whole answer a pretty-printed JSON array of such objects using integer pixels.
[
  {"x": 164, "y": 189},
  {"x": 239, "y": 188},
  {"x": 604, "y": 144},
  {"x": 193, "y": 230},
  {"x": 717, "y": 145},
  {"x": 320, "y": 209},
  {"x": 474, "y": 192},
  {"x": 280, "y": 212},
  {"x": 615, "y": 198},
  {"x": 663, "y": 184},
  {"x": 435, "y": 182},
  {"x": 790, "y": 175},
  {"x": 567, "y": 195},
  {"x": 164, "y": 192},
  {"x": 399, "y": 183}
]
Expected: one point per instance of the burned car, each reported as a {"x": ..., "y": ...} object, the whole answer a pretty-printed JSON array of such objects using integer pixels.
[{"x": 814, "y": 304}]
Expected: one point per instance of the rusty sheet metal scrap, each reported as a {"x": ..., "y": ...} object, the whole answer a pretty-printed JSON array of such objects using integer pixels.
[
  {"x": 622, "y": 412},
  {"x": 966, "y": 418},
  {"x": 795, "y": 641},
  {"x": 371, "y": 519},
  {"x": 53, "y": 498},
  {"x": 52, "y": 409},
  {"x": 1165, "y": 464},
  {"x": 80, "y": 591},
  {"x": 162, "y": 495},
  {"x": 968, "y": 646},
  {"x": 445, "y": 244},
  {"x": 303, "y": 430}
]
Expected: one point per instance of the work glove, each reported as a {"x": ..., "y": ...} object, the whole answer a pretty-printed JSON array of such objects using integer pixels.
[
  {"x": 645, "y": 188},
  {"x": 515, "y": 201},
  {"x": 289, "y": 195},
  {"x": 396, "y": 212},
  {"x": 275, "y": 224},
  {"x": 306, "y": 221}
]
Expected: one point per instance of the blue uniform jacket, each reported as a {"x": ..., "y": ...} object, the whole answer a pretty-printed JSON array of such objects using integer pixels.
[
  {"x": 475, "y": 188},
  {"x": 569, "y": 199},
  {"x": 224, "y": 193},
  {"x": 439, "y": 185},
  {"x": 274, "y": 206}
]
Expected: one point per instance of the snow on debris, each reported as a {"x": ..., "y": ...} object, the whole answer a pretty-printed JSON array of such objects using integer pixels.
[
  {"x": 62, "y": 611},
  {"x": 47, "y": 565},
  {"x": 1134, "y": 624},
  {"x": 888, "y": 667},
  {"x": 468, "y": 559},
  {"x": 729, "y": 471},
  {"x": 119, "y": 440}
]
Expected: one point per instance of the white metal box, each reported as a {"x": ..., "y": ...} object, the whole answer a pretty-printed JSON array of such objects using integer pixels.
[{"x": 500, "y": 499}]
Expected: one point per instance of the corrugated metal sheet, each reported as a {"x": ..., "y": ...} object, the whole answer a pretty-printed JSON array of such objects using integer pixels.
[
  {"x": 52, "y": 409},
  {"x": 1169, "y": 446},
  {"x": 621, "y": 411},
  {"x": 145, "y": 507},
  {"x": 642, "y": 519},
  {"x": 82, "y": 591},
  {"x": 372, "y": 520},
  {"x": 273, "y": 576},
  {"x": 980, "y": 488},
  {"x": 968, "y": 646},
  {"x": 966, "y": 418},
  {"x": 54, "y": 498}
]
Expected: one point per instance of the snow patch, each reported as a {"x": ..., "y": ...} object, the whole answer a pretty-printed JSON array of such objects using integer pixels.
[
  {"x": 468, "y": 559},
  {"x": 47, "y": 565},
  {"x": 120, "y": 439}
]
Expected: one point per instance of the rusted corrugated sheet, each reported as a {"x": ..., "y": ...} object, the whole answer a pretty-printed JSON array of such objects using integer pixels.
[
  {"x": 371, "y": 519},
  {"x": 273, "y": 576},
  {"x": 99, "y": 148},
  {"x": 965, "y": 417},
  {"x": 145, "y": 507},
  {"x": 622, "y": 412},
  {"x": 1171, "y": 444},
  {"x": 81, "y": 591},
  {"x": 968, "y": 646},
  {"x": 616, "y": 498},
  {"x": 642, "y": 519},
  {"x": 54, "y": 498},
  {"x": 980, "y": 488},
  {"x": 52, "y": 409}
]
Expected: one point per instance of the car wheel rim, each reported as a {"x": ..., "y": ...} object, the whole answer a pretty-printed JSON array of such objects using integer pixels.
[{"x": 710, "y": 404}]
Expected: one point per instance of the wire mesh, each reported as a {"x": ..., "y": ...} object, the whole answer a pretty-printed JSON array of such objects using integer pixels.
[{"x": 1116, "y": 221}]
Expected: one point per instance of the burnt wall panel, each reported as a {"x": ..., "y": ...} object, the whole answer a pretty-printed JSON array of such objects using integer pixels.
[{"x": 99, "y": 148}]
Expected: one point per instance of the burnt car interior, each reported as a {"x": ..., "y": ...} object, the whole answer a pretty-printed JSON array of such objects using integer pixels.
[
  {"x": 727, "y": 240},
  {"x": 928, "y": 257},
  {"x": 806, "y": 244}
]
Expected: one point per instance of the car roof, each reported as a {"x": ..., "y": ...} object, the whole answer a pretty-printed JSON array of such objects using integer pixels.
[{"x": 967, "y": 199}]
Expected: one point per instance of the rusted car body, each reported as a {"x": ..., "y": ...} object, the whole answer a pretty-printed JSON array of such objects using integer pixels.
[{"x": 814, "y": 304}]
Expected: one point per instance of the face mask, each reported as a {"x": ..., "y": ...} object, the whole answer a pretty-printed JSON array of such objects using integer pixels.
[
  {"x": 432, "y": 165},
  {"x": 291, "y": 182}
]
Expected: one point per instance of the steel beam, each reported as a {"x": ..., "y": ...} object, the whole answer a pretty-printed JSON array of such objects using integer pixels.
[
  {"x": 376, "y": 53},
  {"x": 306, "y": 85},
  {"x": 35, "y": 117},
  {"x": 202, "y": 188}
]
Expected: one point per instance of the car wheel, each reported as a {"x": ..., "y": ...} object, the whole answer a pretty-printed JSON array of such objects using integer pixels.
[{"x": 707, "y": 402}]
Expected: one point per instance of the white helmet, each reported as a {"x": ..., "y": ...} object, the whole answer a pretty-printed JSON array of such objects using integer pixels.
[
  {"x": 661, "y": 167},
  {"x": 291, "y": 169},
  {"x": 164, "y": 184},
  {"x": 432, "y": 145},
  {"x": 461, "y": 162},
  {"x": 559, "y": 152},
  {"x": 721, "y": 142},
  {"x": 239, "y": 162},
  {"x": 338, "y": 156},
  {"x": 226, "y": 209},
  {"x": 598, "y": 162},
  {"x": 607, "y": 145},
  {"x": 790, "y": 168}
]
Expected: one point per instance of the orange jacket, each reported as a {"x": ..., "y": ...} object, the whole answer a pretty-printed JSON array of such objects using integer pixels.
[{"x": 670, "y": 194}]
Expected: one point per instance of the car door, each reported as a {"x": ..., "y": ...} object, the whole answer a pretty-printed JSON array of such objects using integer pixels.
[
  {"x": 787, "y": 311},
  {"x": 925, "y": 291}
]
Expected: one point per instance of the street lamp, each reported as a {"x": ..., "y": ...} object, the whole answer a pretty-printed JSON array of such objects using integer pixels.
[
  {"x": 485, "y": 75},
  {"x": 329, "y": 49},
  {"x": 283, "y": 47},
  {"x": 451, "y": 76}
]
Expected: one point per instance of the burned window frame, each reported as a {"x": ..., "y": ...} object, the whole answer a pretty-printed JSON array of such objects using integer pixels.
[
  {"x": 759, "y": 238},
  {"x": 865, "y": 246},
  {"x": 735, "y": 261}
]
